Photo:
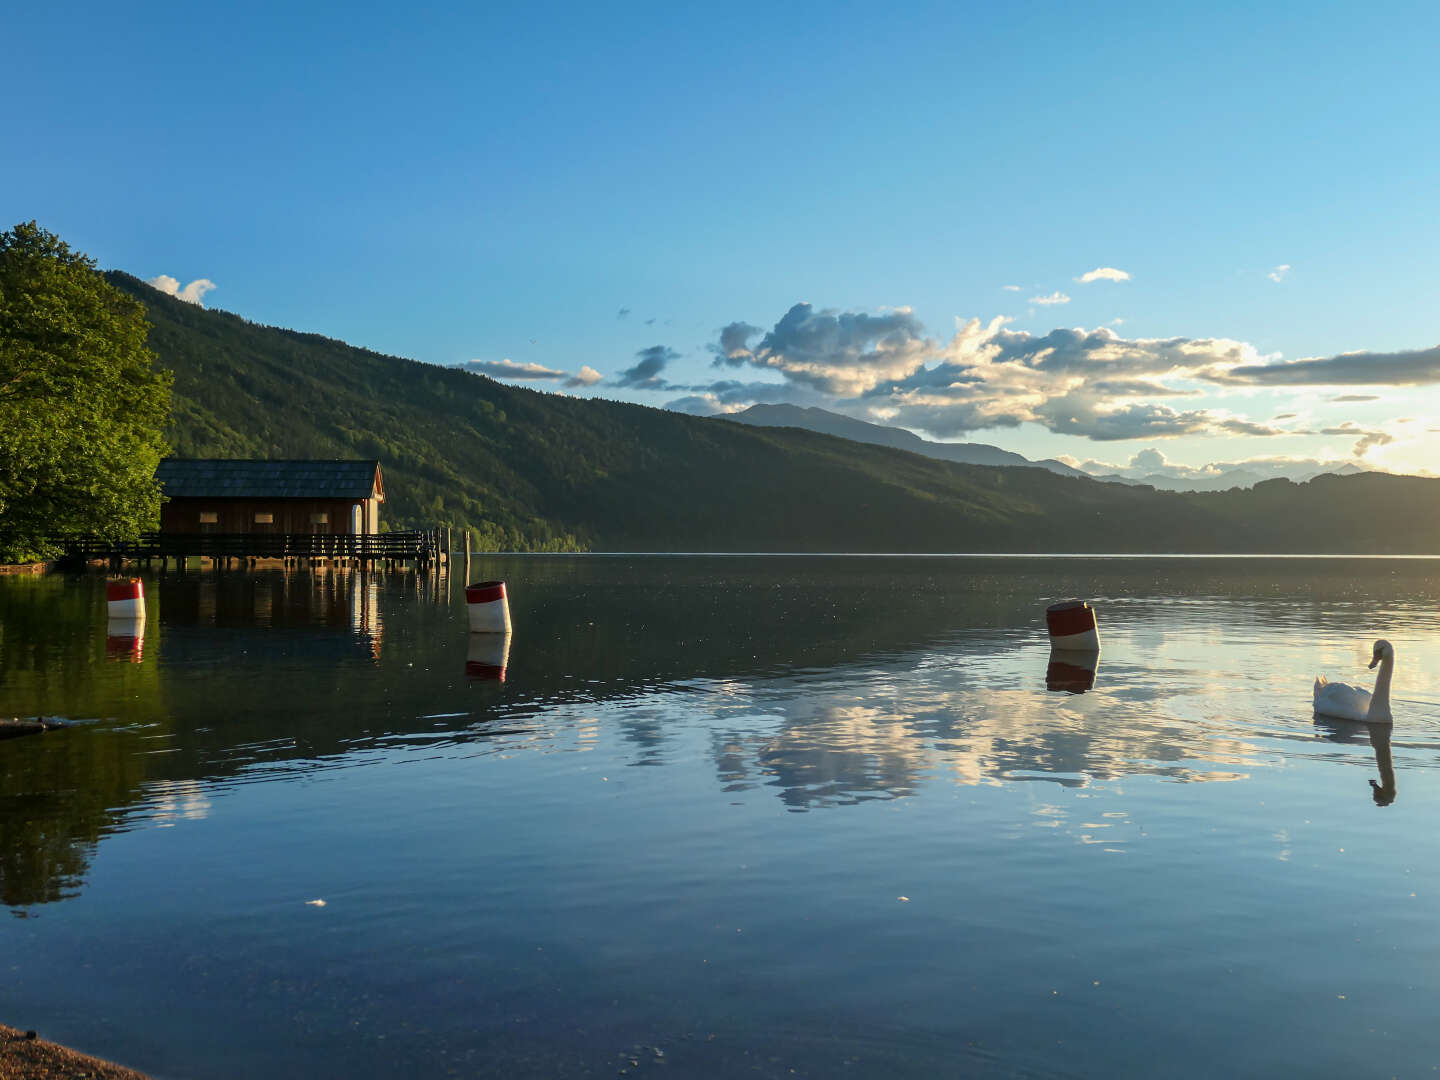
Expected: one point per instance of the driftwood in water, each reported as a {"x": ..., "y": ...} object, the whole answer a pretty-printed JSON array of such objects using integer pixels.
[{"x": 14, "y": 728}]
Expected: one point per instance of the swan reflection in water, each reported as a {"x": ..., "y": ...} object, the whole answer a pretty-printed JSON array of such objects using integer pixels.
[{"x": 1379, "y": 735}]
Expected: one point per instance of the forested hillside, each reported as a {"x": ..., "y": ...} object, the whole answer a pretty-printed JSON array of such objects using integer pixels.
[{"x": 528, "y": 470}]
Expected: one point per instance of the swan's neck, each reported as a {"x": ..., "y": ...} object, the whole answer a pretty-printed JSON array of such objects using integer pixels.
[{"x": 1380, "y": 699}]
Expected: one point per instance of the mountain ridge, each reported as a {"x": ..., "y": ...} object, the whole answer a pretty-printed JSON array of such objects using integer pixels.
[
  {"x": 813, "y": 418},
  {"x": 527, "y": 470}
]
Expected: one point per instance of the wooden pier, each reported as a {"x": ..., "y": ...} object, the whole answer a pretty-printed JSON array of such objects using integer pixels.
[{"x": 423, "y": 549}]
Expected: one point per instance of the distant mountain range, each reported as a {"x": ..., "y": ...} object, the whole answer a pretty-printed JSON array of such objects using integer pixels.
[
  {"x": 1230, "y": 478},
  {"x": 847, "y": 427}
]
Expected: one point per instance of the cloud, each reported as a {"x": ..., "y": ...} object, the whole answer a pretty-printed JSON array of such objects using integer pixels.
[
  {"x": 1414, "y": 367},
  {"x": 645, "y": 375},
  {"x": 1278, "y": 274},
  {"x": 1103, "y": 273},
  {"x": 531, "y": 372},
  {"x": 1056, "y": 297},
  {"x": 1151, "y": 460},
  {"x": 1102, "y": 422},
  {"x": 705, "y": 405},
  {"x": 1367, "y": 439},
  {"x": 734, "y": 346},
  {"x": 194, "y": 293},
  {"x": 623, "y": 313},
  {"x": 1090, "y": 383},
  {"x": 837, "y": 352},
  {"x": 1010, "y": 288},
  {"x": 1356, "y": 397}
]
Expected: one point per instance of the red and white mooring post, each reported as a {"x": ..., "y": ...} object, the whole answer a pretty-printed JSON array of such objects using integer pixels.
[
  {"x": 1072, "y": 626},
  {"x": 489, "y": 609},
  {"x": 125, "y": 599}
]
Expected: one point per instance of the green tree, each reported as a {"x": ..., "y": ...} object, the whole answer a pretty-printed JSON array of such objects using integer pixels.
[{"x": 82, "y": 407}]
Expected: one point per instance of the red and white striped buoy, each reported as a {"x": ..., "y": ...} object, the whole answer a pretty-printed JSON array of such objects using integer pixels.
[
  {"x": 1072, "y": 626},
  {"x": 489, "y": 609},
  {"x": 125, "y": 599},
  {"x": 487, "y": 657}
]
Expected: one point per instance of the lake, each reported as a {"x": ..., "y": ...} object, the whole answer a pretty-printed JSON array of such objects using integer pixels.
[{"x": 761, "y": 815}]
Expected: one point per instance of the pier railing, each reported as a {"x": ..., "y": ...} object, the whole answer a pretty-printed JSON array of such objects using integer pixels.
[{"x": 422, "y": 546}]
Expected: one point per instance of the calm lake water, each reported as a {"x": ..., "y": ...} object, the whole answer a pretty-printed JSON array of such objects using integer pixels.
[{"x": 762, "y": 816}]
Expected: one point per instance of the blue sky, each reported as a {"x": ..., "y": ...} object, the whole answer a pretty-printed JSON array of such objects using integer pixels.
[{"x": 479, "y": 185}]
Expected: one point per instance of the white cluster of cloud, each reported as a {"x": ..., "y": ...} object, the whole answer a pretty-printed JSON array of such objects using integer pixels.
[
  {"x": 530, "y": 372},
  {"x": 194, "y": 293},
  {"x": 1056, "y": 297},
  {"x": 1089, "y": 383},
  {"x": 1278, "y": 274},
  {"x": 1103, "y": 273}
]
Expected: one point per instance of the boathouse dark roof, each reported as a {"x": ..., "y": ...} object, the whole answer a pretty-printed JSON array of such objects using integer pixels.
[{"x": 216, "y": 478}]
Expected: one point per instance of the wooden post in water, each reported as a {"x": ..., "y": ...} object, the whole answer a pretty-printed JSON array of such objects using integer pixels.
[{"x": 466, "y": 539}]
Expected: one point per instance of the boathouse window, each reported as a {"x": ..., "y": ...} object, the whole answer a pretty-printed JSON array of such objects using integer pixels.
[
  {"x": 264, "y": 518},
  {"x": 321, "y": 518},
  {"x": 209, "y": 517}
]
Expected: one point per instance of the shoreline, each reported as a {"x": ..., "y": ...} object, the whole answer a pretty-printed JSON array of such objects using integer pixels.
[{"x": 23, "y": 1056}]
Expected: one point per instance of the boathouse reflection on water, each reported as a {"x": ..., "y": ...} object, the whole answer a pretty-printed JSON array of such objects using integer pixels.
[{"x": 59, "y": 796}]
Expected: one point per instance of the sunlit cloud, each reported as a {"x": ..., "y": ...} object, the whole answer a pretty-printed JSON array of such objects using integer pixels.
[
  {"x": 531, "y": 372},
  {"x": 1056, "y": 297},
  {"x": 1010, "y": 288},
  {"x": 1090, "y": 383},
  {"x": 843, "y": 353},
  {"x": 1103, "y": 273},
  {"x": 1278, "y": 274},
  {"x": 194, "y": 293}
]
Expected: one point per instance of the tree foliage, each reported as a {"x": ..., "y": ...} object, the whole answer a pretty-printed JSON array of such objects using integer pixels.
[{"x": 82, "y": 407}]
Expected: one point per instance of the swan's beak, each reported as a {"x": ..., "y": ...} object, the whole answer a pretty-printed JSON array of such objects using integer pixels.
[{"x": 1375, "y": 660}]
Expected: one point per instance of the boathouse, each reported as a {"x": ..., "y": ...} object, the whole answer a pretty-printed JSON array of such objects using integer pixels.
[{"x": 223, "y": 495}]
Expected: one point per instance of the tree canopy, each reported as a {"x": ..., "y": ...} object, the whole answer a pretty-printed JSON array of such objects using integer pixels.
[{"x": 82, "y": 406}]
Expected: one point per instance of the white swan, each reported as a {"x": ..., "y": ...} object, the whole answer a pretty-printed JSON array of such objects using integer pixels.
[{"x": 1353, "y": 703}]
